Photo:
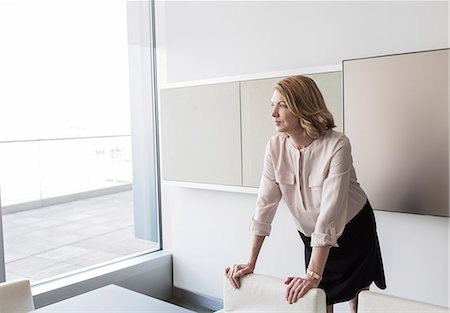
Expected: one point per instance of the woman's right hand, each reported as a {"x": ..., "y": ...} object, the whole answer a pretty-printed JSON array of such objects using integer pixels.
[{"x": 235, "y": 272}]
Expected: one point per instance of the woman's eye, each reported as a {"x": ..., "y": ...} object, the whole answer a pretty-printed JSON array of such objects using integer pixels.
[{"x": 280, "y": 105}]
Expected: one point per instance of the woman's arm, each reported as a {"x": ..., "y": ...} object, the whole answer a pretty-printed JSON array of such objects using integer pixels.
[
  {"x": 297, "y": 286},
  {"x": 257, "y": 242},
  {"x": 318, "y": 259},
  {"x": 236, "y": 271}
]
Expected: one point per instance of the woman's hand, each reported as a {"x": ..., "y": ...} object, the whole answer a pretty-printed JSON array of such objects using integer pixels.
[
  {"x": 235, "y": 272},
  {"x": 298, "y": 287}
]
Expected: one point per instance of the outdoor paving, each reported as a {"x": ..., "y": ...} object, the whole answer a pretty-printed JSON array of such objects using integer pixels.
[{"x": 45, "y": 242}]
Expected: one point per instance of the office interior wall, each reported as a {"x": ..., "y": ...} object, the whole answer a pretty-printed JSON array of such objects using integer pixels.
[
  {"x": 204, "y": 39},
  {"x": 207, "y": 230}
]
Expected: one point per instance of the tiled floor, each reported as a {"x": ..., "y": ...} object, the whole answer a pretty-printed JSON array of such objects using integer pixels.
[{"x": 45, "y": 242}]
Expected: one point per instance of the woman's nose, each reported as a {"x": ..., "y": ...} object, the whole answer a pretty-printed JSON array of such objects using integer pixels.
[{"x": 275, "y": 112}]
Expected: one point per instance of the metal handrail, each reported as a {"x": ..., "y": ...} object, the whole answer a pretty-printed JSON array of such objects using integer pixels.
[{"x": 66, "y": 138}]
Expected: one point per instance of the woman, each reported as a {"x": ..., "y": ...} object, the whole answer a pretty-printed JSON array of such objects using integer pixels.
[{"x": 310, "y": 166}]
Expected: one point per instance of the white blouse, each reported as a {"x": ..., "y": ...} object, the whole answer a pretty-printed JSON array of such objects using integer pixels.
[{"x": 318, "y": 184}]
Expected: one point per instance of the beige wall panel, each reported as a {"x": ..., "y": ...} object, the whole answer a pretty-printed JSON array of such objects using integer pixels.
[
  {"x": 257, "y": 122},
  {"x": 396, "y": 116},
  {"x": 200, "y": 131},
  {"x": 330, "y": 84},
  {"x": 257, "y": 127}
]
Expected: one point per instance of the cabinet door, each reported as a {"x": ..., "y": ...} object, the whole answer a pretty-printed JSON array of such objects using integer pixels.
[
  {"x": 200, "y": 131},
  {"x": 257, "y": 121}
]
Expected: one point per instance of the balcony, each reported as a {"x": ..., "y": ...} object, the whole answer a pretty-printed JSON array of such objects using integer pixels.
[{"x": 67, "y": 205}]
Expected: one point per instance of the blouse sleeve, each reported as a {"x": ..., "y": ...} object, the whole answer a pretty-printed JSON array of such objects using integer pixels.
[
  {"x": 333, "y": 208},
  {"x": 269, "y": 196}
]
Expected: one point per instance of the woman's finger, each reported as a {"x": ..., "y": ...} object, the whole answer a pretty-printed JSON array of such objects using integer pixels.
[
  {"x": 291, "y": 289},
  {"x": 288, "y": 280},
  {"x": 294, "y": 295},
  {"x": 291, "y": 295},
  {"x": 235, "y": 277},
  {"x": 235, "y": 272},
  {"x": 303, "y": 291},
  {"x": 230, "y": 275}
]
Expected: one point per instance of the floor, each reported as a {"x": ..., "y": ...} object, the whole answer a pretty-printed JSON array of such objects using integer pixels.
[
  {"x": 42, "y": 243},
  {"x": 190, "y": 306},
  {"x": 54, "y": 240}
]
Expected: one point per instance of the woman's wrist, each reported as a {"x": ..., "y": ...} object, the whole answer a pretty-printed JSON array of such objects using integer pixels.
[{"x": 313, "y": 274}]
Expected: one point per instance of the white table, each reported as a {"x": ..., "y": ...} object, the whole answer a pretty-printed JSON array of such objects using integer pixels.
[{"x": 112, "y": 298}]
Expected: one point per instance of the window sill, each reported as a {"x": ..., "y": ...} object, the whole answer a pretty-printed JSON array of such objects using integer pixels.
[{"x": 121, "y": 273}]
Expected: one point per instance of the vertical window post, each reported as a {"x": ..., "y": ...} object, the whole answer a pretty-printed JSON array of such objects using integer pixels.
[{"x": 144, "y": 126}]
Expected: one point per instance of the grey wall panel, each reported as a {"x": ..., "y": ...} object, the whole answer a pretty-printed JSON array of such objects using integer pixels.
[
  {"x": 396, "y": 116},
  {"x": 257, "y": 122},
  {"x": 200, "y": 131}
]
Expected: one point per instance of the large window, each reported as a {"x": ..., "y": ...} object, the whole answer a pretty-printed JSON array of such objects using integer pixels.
[{"x": 78, "y": 167}]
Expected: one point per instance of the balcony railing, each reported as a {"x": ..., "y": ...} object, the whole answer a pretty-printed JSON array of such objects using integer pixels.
[{"x": 39, "y": 170}]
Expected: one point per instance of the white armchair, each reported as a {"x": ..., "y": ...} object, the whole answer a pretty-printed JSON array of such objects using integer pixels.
[
  {"x": 15, "y": 297},
  {"x": 261, "y": 293},
  {"x": 373, "y": 302}
]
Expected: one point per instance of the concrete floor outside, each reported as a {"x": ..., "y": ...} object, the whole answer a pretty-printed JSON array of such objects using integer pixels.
[{"x": 45, "y": 242}]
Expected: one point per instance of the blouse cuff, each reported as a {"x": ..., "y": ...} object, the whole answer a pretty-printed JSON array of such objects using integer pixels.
[
  {"x": 260, "y": 228},
  {"x": 322, "y": 240}
]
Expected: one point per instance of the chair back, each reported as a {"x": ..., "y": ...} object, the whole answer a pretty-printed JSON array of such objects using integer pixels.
[
  {"x": 372, "y": 302},
  {"x": 15, "y": 297},
  {"x": 261, "y": 293}
]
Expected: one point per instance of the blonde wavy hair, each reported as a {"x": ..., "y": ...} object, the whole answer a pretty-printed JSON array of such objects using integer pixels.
[{"x": 306, "y": 102}]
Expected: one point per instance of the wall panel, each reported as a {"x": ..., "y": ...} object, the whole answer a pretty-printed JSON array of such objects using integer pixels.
[
  {"x": 396, "y": 115},
  {"x": 200, "y": 131}
]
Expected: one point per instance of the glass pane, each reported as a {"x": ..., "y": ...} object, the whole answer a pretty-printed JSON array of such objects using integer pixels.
[
  {"x": 19, "y": 173},
  {"x": 84, "y": 165},
  {"x": 70, "y": 200}
]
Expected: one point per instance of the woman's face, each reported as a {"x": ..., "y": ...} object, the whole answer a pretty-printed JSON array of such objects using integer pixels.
[{"x": 284, "y": 120}]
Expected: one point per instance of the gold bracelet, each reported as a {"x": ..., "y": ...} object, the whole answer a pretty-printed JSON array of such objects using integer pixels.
[{"x": 313, "y": 275}]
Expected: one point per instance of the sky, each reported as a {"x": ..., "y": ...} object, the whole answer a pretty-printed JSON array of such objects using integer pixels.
[{"x": 64, "y": 70}]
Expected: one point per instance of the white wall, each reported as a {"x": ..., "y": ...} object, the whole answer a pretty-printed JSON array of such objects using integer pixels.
[
  {"x": 205, "y": 39},
  {"x": 207, "y": 230}
]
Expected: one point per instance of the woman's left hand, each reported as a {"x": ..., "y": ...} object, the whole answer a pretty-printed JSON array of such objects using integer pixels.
[{"x": 298, "y": 287}]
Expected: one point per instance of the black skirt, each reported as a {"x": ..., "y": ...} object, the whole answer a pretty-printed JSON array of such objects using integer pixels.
[{"x": 356, "y": 263}]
